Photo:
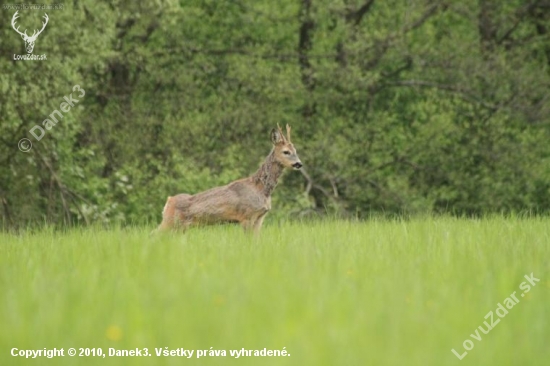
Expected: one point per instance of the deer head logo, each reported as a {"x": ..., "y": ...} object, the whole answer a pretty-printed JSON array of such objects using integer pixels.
[{"x": 29, "y": 40}]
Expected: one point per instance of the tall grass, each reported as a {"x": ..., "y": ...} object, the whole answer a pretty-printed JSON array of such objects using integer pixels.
[{"x": 333, "y": 293}]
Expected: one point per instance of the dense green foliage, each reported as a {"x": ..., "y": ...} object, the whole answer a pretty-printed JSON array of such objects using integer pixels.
[
  {"x": 332, "y": 293},
  {"x": 396, "y": 106}
]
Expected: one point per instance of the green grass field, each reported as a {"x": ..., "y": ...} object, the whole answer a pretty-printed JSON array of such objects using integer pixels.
[{"x": 330, "y": 293}]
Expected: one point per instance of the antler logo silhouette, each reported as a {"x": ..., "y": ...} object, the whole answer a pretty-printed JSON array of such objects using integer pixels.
[{"x": 29, "y": 40}]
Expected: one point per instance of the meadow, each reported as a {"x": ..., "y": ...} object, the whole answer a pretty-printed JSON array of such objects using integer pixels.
[{"x": 377, "y": 292}]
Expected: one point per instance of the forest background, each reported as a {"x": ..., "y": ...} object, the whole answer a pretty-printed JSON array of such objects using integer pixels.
[{"x": 397, "y": 107}]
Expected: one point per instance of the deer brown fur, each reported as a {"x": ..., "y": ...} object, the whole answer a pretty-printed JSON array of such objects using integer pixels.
[{"x": 245, "y": 201}]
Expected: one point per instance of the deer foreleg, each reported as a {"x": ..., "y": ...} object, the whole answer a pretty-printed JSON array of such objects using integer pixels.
[{"x": 258, "y": 224}]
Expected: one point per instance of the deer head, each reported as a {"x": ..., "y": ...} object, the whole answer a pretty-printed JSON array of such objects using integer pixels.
[
  {"x": 29, "y": 40},
  {"x": 284, "y": 150}
]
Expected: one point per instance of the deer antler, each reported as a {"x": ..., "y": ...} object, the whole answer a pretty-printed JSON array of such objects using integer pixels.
[
  {"x": 43, "y": 26},
  {"x": 288, "y": 132},
  {"x": 13, "y": 19},
  {"x": 280, "y": 131}
]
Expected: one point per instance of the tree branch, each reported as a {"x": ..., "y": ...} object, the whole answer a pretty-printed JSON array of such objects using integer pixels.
[
  {"x": 465, "y": 93},
  {"x": 357, "y": 16}
]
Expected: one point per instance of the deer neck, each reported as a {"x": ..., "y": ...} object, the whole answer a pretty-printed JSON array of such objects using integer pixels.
[{"x": 266, "y": 177}]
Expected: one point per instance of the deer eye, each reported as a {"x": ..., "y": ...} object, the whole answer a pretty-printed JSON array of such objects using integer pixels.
[{"x": 286, "y": 152}]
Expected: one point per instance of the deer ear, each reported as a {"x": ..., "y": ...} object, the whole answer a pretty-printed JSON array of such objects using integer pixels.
[{"x": 276, "y": 137}]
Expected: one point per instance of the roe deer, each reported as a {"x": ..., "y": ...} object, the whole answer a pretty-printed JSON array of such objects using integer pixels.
[{"x": 245, "y": 201}]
